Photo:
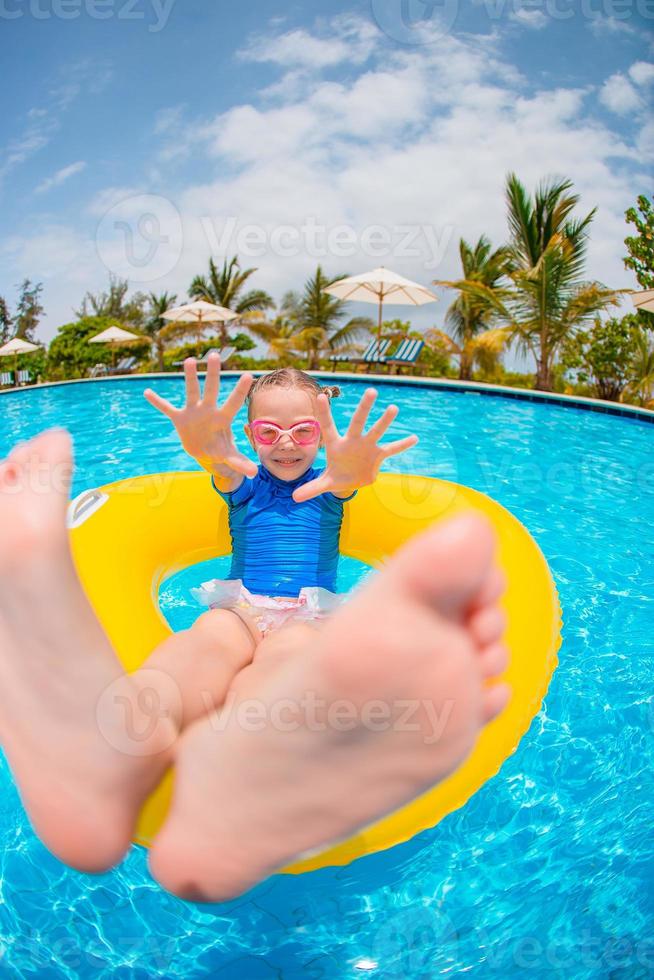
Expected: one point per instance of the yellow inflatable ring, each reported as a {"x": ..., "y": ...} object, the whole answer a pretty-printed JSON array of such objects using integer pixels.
[{"x": 129, "y": 536}]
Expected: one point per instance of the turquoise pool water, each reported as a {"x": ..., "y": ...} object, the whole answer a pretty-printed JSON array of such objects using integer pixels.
[{"x": 547, "y": 872}]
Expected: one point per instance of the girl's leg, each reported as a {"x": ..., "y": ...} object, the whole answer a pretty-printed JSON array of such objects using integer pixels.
[
  {"x": 190, "y": 673},
  {"x": 83, "y": 745}
]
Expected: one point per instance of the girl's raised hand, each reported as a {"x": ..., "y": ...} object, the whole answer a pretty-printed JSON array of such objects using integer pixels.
[
  {"x": 353, "y": 460},
  {"x": 204, "y": 428}
]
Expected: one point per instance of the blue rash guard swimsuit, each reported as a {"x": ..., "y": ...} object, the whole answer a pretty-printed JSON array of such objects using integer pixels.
[{"x": 278, "y": 545}]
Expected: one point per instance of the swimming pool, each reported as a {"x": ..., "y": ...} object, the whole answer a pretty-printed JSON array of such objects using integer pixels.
[{"x": 548, "y": 870}]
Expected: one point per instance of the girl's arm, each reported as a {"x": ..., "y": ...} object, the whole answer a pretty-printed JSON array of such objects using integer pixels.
[
  {"x": 353, "y": 460},
  {"x": 204, "y": 429}
]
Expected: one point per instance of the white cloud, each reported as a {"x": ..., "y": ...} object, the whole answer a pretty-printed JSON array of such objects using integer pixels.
[
  {"x": 352, "y": 39},
  {"x": 60, "y": 176},
  {"x": 642, "y": 72},
  {"x": 600, "y": 24},
  {"x": 619, "y": 95},
  {"x": 533, "y": 19}
]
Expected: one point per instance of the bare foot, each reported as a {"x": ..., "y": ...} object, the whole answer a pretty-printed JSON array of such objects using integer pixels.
[
  {"x": 82, "y": 772},
  {"x": 336, "y": 749}
]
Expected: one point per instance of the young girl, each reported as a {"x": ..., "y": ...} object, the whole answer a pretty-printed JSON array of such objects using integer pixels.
[
  {"x": 87, "y": 743},
  {"x": 284, "y": 516}
]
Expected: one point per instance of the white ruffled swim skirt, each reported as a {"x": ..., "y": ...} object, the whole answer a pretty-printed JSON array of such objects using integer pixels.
[{"x": 269, "y": 612}]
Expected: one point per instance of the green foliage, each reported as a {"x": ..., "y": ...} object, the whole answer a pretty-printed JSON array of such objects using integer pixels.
[
  {"x": 551, "y": 296},
  {"x": 115, "y": 304},
  {"x": 602, "y": 356},
  {"x": 72, "y": 356},
  {"x": 641, "y": 245},
  {"x": 5, "y": 321},
  {"x": 29, "y": 310}
]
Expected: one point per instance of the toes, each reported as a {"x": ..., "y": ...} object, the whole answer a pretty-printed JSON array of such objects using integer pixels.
[
  {"x": 41, "y": 464},
  {"x": 495, "y": 700},
  {"x": 487, "y": 625},
  {"x": 493, "y": 660},
  {"x": 491, "y": 590},
  {"x": 446, "y": 565}
]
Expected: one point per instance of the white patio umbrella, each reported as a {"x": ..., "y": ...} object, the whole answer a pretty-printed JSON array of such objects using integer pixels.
[
  {"x": 199, "y": 312},
  {"x": 378, "y": 285},
  {"x": 17, "y": 346},
  {"x": 644, "y": 300},
  {"x": 115, "y": 336}
]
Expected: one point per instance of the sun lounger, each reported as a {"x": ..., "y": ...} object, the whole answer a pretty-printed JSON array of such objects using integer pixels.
[
  {"x": 23, "y": 378},
  {"x": 225, "y": 354},
  {"x": 407, "y": 353},
  {"x": 373, "y": 354},
  {"x": 98, "y": 371},
  {"x": 125, "y": 366},
  {"x": 6, "y": 379}
]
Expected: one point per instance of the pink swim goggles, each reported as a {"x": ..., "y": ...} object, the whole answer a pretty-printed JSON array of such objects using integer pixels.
[{"x": 302, "y": 433}]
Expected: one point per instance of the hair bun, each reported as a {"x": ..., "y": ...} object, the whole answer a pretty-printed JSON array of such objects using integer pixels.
[{"x": 332, "y": 391}]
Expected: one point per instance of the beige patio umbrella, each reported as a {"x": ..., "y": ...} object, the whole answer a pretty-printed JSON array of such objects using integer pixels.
[
  {"x": 115, "y": 336},
  {"x": 201, "y": 313},
  {"x": 379, "y": 285},
  {"x": 17, "y": 346},
  {"x": 644, "y": 300}
]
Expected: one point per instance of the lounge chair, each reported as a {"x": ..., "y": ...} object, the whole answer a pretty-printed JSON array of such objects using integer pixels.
[
  {"x": 407, "y": 353},
  {"x": 373, "y": 354},
  {"x": 225, "y": 354},
  {"x": 6, "y": 379},
  {"x": 23, "y": 378},
  {"x": 125, "y": 366},
  {"x": 98, "y": 371}
]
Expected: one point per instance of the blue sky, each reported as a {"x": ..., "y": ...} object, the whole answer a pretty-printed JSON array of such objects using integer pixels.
[{"x": 142, "y": 136}]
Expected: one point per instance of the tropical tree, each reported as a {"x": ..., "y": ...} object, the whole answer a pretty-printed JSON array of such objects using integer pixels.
[
  {"x": 641, "y": 383},
  {"x": 224, "y": 287},
  {"x": 279, "y": 331},
  {"x": 317, "y": 317},
  {"x": 472, "y": 314},
  {"x": 548, "y": 249},
  {"x": 308, "y": 324},
  {"x": 641, "y": 245},
  {"x": 114, "y": 304},
  {"x": 155, "y": 326},
  {"x": 5, "y": 321},
  {"x": 603, "y": 356},
  {"x": 483, "y": 350},
  {"x": 28, "y": 310}
]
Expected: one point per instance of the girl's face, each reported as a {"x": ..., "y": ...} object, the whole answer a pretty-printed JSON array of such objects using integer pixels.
[{"x": 285, "y": 407}]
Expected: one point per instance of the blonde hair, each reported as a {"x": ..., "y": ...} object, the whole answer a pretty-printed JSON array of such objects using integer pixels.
[{"x": 290, "y": 378}]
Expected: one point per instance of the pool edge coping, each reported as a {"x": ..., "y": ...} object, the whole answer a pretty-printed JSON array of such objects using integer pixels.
[{"x": 453, "y": 384}]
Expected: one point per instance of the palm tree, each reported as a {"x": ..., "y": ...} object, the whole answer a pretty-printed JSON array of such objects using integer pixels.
[
  {"x": 548, "y": 249},
  {"x": 483, "y": 350},
  {"x": 309, "y": 324},
  {"x": 317, "y": 318},
  {"x": 225, "y": 288},
  {"x": 641, "y": 383},
  {"x": 471, "y": 314},
  {"x": 158, "y": 329},
  {"x": 279, "y": 333}
]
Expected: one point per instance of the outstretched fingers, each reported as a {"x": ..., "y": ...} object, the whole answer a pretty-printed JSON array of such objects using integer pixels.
[
  {"x": 312, "y": 489},
  {"x": 361, "y": 412},
  {"x": 377, "y": 430},
  {"x": 323, "y": 411},
  {"x": 212, "y": 380},
  {"x": 393, "y": 448},
  {"x": 160, "y": 403},
  {"x": 236, "y": 399},
  {"x": 192, "y": 381}
]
